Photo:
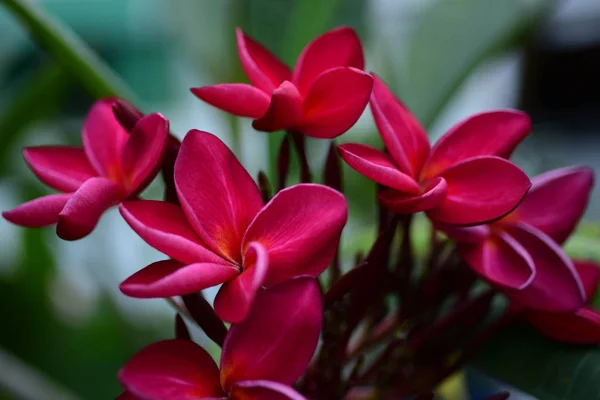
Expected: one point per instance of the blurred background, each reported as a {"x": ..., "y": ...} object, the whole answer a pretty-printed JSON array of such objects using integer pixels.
[{"x": 66, "y": 329}]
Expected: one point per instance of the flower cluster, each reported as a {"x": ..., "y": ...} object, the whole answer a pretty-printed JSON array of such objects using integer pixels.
[{"x": 216, "y": 226}]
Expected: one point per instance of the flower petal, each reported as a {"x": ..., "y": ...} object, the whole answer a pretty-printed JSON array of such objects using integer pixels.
[
  {"x": 284, "y": 112},
  {"x": 405, "y": 203},
  {"x": 337, "y": 48},
  {"x": 144, "y": 151},
  {"x": 589, "y": 273},
  {"x": 481, "y": 189},
  {"x": 278, "y": 339},
  {"x": 235, "y": 298},
  {"x": 104, "y": 140},
  {"x": 218, "y": 196},
  {"x": 493, "y": 133},
  {"x": 164, "y": 226},
  {"x": 263, "y": 390},
  {"x": 556, "y": 286},
  {"x": 235, "y": 98},
  {"x": 468, "y": 234},
  {"x": 172, "y": 369},
  {"x": 556, "y": 201},
  {"x": 401, "y": 132},
  {"x": 83, "y": 210},
  {"x": 300, "y": 228},
  {"x": 60, "y": 167},
  {"x": 263, "y": 69},
  {"x": 40, "y": 212},
  {"x": 170, "y": 278},
  {"x": 580, "y": 327},
  {"x": 335, "y": 101}
]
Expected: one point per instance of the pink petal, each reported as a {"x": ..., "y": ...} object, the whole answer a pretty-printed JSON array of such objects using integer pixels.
[
  {"x": 465, "y": 234},
  {"x": 144, "y": 151},
  {"x": 263, "y": 69},
  {"x": 480, "y": 190},
  {"x": 404, "y": 203},
  {"x": 83, "y": 210},
  {"x": 589, "y": 273},
  {"x": 263, "y": 390},
  {"x": 172, "y": 369},
  {"x": 580, "y": 327},
  {"x": 235, "y": 298},
  {"x": 236, "y": 98},
  {"x": 335, "y": 101},
  {"x": 337, "y": 48},
  {"x": 300, "y": 228},
  {"x": 284, "y": 112},
  {"x": 278, "y": 339},
  {"x": 164, "y": 226},
  {"x": 377, "y": 166},
  {"x": 104, "y": 140},
  {"x": 556, "y": 287},
  {"x": 493, "y": 133},
  {"x": 60, "y": 167},
  {"x": 170, "y": 278},
  {"x": 500, "y": 260},
  {"x": 401, "y": 132},
  {"x": 556, "y": 201},
  {"x": 217, "y": 195},
  {"x": 40, "y": 212}
]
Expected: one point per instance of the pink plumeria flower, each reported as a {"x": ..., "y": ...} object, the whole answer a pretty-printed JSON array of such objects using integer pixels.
[
  {"x": 464, "y": 179},
  {"x": 224, "y": 233},
  {"x": 521, "y": 252},
  {"x": 323, "y": 97},
  {"x": 261, "y": 357},
  {"x": 112, "y": 166}
]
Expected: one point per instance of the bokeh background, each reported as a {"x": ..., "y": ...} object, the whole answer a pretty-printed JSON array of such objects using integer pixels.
[{"x": 65, "y": 328}]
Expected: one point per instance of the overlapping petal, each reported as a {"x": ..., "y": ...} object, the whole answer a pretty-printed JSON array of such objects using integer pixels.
[
  {"x": 580, "y": 327},
  {"x": 300, "y": 229},
  {"x": 263, "y": 390},
  {"x": 433, "y": 195},
  {"x": 236, "y": 98},
  {"x": 284, "y": 112},
  {"x": 40, "y": 212},
  {"x": 589, "y": 273}
]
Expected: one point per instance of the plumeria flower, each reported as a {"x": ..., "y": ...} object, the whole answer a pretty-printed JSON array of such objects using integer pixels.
[
  {"x": 224, "y": 233},
  {"x": 112, "y": 166},
  {"x": 323, "y": 97},
  {"x": 464, "y": 179},
  {"x": 261, "y": 357},
  {"x": 521, "y": 252}
]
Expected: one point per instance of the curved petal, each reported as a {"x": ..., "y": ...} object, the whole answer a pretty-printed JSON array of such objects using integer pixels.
[
  {"x": 300, "y": 229},
  {"x": 284, "y": 112},
  {"x": 60, "y": 167},
  {"x": 493, "y": 133},
  {"x": 337, "y": 48},
  {"x": 83, "y": 210},
  {"x": 218, "y": 196},
  {"x": 377, "y": 166},
  {"x": 263, "y": 390},
  {"x": 172, "y": 369},
  {"x": 556, "y": 201},
  {"x": 589, "y": 273},
  {"x": 39, "y": 212},
  {"x": 335, "y": 101},
  {"x": 163, "y": 226},
  {"x": 263, "y": 69},
  {"x": 170, "y": 278},
  {"x": 104, "y": 140},
  {"x": 144, "y": 151},
  {"x": 278, "y": 339},
  {"x": 401, "y": 132},
  {"x": 580, "y": 327},
  {"x": 235, "y": 98},
  {"x": 557, "y": 286},
  {"x": 500, "y": 260},
  {"x": 235, "y": 298},
  {"x": 480, "y": 190},
  {"x": 404, "y": 203},
  {"x": 465, "y": 234}
]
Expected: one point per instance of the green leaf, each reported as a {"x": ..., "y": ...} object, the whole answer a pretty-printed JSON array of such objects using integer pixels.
[{"x": 541, "y": 367}]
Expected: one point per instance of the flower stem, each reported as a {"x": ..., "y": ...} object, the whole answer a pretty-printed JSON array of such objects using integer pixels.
[{"x": 299, "y": 141}]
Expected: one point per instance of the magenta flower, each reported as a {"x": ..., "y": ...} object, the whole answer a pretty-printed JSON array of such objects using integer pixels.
[
  {"x": 224, "y": 233},
  {"x": 521, "y": 253},
  {"x": 261, "y": 357},
  {"x": 323, "y": 97},
  {"x": 111, "y": 167},
  {"x": 464, "y": 179}
]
